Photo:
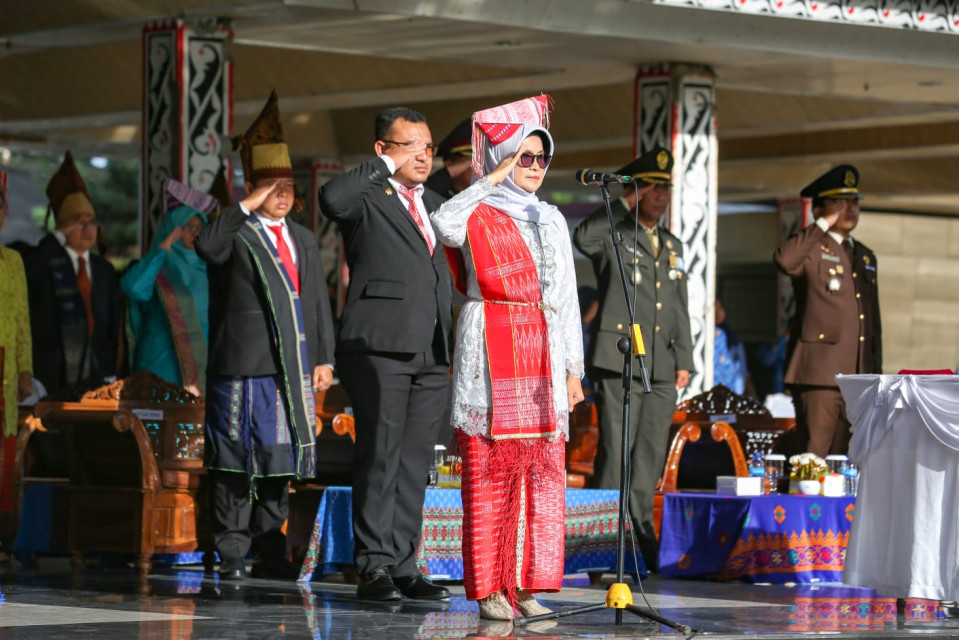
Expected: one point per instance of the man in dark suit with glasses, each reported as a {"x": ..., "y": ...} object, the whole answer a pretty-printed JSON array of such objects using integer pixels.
[{"x": 392, "y": 352}]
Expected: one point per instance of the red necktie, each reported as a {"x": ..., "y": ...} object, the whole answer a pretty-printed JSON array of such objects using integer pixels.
[
  {"x": 286, "y": 256},
  {"x": 410, "y": 195},
  {"x": 86, "y": 291}
]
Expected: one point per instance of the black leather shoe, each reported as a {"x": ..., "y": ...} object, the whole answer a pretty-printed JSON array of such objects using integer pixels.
[
  {"x": 233, "y": 569},
  {"x": 378, "y": 586},
  {"x": 419, "y": 588},
  {"x": 275, "y": 569}
]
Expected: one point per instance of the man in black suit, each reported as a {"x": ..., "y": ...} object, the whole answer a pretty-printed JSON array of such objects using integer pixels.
[
  {"x": 74, "y": 296},
  {"x": 392, "y": 353},
  {"x": 271, "y": 346}
]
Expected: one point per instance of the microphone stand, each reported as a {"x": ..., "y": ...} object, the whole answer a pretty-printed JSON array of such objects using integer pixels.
[{"x": 619, "y": 596}]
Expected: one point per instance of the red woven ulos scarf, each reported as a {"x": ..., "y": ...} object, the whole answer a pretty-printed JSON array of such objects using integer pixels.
[{"x": 517, "y": 341}]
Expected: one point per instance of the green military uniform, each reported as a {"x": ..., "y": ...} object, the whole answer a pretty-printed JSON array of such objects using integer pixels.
[{"x": 658, "y": 288}]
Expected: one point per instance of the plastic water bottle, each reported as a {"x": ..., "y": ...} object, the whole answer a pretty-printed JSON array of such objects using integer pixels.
[
  {"x": 757, "y": 468},
  {"x": 851, "y": 471}
]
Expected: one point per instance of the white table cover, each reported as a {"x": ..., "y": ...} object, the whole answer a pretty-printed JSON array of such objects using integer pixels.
[{"x": 905, "y": 437}]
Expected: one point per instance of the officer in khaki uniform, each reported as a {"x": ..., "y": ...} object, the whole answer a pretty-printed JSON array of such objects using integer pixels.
[
  {"x": 654, "y": 265},
  {"x": 836, "y": 328}
]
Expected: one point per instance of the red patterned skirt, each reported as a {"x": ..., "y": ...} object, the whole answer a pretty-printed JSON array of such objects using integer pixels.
[{"x": 514, "y": 503}]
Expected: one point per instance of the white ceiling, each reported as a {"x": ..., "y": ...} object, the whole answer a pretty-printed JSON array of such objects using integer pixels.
[{"x": 794, "y": 96}]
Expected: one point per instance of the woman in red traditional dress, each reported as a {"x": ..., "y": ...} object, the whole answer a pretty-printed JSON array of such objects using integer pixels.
[{"x": 518, "y": 361}]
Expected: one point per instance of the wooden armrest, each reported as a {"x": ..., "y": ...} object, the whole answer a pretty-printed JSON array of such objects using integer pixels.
[{"x": 344, "y": 423}]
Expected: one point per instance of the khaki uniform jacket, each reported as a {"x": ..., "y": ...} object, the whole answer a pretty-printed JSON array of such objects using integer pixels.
[
  {"x": 660, "y": 301},
  {"x": 836, "y": 328}
]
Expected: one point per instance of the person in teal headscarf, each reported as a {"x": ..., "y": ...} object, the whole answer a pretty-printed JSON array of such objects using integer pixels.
[{"x": 169, "y": 296}]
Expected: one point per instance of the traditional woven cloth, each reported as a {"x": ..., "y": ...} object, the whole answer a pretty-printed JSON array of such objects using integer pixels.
[
  {"x": 493, "y": 126},
  {"x": 513, "y": 515},
  {"x": 516, "y": 331}
]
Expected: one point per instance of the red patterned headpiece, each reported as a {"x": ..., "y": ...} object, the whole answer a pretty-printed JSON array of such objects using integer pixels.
[{"x": 493, "y": 126}]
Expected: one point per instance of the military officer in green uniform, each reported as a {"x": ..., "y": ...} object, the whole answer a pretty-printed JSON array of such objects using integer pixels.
[{"x": 654, "y": 265}]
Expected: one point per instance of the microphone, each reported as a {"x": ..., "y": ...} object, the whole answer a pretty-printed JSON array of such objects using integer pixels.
[{"x": 588, "y": 176}]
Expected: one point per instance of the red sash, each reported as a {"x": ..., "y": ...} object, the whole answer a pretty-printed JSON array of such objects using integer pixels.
[{"x": 517, "y": 340}]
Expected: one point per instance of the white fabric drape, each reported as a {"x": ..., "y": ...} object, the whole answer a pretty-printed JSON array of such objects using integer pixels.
[{"x": 905, "y": 437}]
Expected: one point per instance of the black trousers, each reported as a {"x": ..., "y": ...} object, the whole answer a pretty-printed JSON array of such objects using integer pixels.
[
  {"x": 398, "y": 402},
  {"x": 246, "y": 514}
]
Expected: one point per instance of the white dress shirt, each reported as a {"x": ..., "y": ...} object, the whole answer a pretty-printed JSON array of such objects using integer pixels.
[
  {"x": 62, "y": 239},
  {"x": 822, "y": 224},
  {"x": 267, "y": 222},
  {"x": 418, "y": 198}
]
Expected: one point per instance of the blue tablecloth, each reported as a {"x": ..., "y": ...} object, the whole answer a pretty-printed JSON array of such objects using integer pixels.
[
  {"x": 591, "y": 519},
  {"x": 773, "y": 538}
]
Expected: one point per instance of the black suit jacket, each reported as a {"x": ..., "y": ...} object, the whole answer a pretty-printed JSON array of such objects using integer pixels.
[
  {"x": 48, "y": 357},
  {"x": 241, "y": 334},
  {"x": 398, "y": 293}
]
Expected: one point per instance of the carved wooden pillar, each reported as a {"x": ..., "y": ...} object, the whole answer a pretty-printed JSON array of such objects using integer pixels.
[
  {"x": 187, "y": 109},
  {"x": 676, "y": 109}
]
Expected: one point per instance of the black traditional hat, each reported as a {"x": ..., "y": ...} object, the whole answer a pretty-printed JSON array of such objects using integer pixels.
[
  {"x": 838, "y": 182},
  {"x": 653, "y": 167}
]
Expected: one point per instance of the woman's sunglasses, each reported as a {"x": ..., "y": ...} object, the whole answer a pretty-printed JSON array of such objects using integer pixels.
[{"x": 526, "y": 160}]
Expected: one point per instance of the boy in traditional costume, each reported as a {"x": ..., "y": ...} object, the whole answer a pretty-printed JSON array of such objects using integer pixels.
[{"x": 271, "y": 346}]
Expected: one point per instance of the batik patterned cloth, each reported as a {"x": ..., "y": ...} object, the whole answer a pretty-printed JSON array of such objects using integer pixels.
[
  {"x": 771, "y": 538},
  {"x": 592, "y": 516}
]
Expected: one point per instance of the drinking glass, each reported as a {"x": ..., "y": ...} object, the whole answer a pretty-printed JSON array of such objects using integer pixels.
[{"x": 775, "y": 463}]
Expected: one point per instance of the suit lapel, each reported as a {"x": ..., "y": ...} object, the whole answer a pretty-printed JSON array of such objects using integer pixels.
[
  {"x": 301, "y": 253},
  {"x": 399, "y": 209},
  {"x": 98, "y": 286}
]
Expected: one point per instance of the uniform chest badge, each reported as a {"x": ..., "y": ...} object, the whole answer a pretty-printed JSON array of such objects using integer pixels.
[
  {"x": 388, "y": 191},
  {"x": 834, "y": 283}
]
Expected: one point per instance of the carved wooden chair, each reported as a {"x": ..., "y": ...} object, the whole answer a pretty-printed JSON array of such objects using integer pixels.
[
  {"x": 136, "y": 469},
  {"x": 721, "y": 432},
  {"x": 739, "y": 421}
]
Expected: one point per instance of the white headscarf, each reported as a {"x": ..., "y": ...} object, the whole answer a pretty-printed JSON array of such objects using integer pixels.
[{"x": 512, "y": 200}]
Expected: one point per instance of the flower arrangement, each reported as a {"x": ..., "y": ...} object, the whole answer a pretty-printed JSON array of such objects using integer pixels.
[{"x": 807, "y": 466}]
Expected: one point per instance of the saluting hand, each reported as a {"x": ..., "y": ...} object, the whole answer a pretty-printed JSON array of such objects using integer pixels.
[
  {"x": 172, "y": 237},
  {"x": 833, "y": 212},
  {"x": 505, "y": 168},
  {"x": 401, "y": 153},
  {"x": 259, "y": 195}
]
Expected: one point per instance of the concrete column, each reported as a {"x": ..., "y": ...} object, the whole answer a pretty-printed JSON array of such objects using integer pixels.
[
  {"x": 187, "y": 109},
  {"x": 676, "y": 109}
]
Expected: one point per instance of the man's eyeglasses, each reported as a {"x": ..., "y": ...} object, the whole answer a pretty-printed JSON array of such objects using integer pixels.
[
  {"x": 526, "y": 160},
  {"x": 89, "y": 224},
  {"x": 430, "y": 147},
  {"x": 193, "y": 228}
]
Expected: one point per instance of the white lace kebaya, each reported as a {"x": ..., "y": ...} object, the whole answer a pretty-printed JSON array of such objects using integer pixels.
[{"x": 549, "y": 244}]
